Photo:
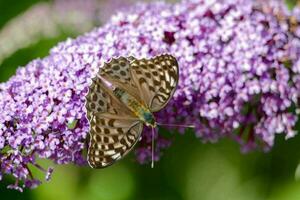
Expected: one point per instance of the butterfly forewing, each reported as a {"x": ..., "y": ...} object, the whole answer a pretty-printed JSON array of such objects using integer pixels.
[
  {"x": 156, "y": 80},
  {"x": 97, "y": 100},
  {"x": 117, "y": 72}
]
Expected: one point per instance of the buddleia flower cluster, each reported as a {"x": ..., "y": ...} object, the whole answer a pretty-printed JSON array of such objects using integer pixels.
[{"x": 239, "y": 77}]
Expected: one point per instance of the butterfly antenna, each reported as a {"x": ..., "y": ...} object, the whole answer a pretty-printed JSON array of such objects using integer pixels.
[
  {"x": 177, "y": 125},
  {"x": 152, "y": 162}
]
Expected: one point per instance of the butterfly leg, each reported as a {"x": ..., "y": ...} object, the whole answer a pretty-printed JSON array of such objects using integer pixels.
[{"x": 153, "y": 134}]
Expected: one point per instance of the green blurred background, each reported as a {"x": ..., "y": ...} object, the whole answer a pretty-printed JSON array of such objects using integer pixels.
[{"x": 189, "y": 170}]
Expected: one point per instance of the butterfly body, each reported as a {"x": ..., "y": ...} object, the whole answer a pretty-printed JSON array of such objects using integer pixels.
[
  {"x": 118, "y": 114},
  {"x": 138, "y": 108}
]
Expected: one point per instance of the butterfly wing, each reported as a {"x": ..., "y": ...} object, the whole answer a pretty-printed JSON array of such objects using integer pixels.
[
  {"x": 113, "y": 128},
  {"x": 101, "y": 100},
  {"x": 112, "y": 137},
  {"x": 117, "y": 72},
  {"x": 156, "y": 80}
]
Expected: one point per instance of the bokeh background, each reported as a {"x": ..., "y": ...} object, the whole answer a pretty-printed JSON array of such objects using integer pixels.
[{"x": 189, "y": 170}]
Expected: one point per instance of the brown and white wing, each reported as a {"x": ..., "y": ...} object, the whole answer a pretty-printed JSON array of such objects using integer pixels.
[
  {"x": 156, "y": 80},
  {"x": 112, "y": 137},
  {"x": 113, "y": 128},
  {"x": 117, "y": 72}
]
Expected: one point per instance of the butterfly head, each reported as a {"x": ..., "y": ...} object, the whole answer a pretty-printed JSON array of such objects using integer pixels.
[{"x": 149, "y": 119}]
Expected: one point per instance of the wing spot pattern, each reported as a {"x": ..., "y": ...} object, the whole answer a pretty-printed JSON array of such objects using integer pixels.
[
  {"x": 111, "y": 122},
  {"x": 123, "y": 73},
  {"x": 155, "y": 73},
  {"x": 116, "y": 67},
  {"x": 106, "y": 131},
  {"x": 101, "y": 103},
  {"x": 148, "y": 75},
  {"x": 158, "y": 76},
  {"x": 120, "y": 130},
  {"x": 98, "y": 130}
]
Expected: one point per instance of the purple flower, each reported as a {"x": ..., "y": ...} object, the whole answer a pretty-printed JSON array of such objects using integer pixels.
[
  {"x": 32, "y": 183},
  {"x": 15, "y": 187},
  {"x": 49, "y": 174},
  {"x": 239, "y": 78}
]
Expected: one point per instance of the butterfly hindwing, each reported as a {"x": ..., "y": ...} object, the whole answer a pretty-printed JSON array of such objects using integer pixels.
[
  {"x": 112, "y": 137},
  {"x": 156, "y": 80}
]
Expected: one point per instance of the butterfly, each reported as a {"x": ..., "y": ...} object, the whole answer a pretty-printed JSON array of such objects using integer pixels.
[{"x": 122, "y": 99}]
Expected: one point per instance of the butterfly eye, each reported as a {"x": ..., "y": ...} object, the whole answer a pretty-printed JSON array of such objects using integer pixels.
[{"x": 149, "y": 119}]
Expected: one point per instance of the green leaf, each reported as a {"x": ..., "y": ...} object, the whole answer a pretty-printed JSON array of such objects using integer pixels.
[
  {"x": 72, "y": 124},
  {"x": 291, "y": 3}
]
